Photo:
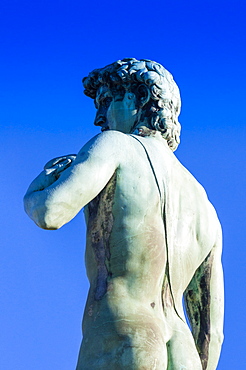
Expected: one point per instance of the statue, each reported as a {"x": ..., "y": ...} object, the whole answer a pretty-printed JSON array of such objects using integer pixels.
[{"x": 153, "y": 238}]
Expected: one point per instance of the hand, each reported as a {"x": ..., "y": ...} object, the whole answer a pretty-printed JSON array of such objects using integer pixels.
[
  {"x": 59, "y": 164},
  {"x": 51, "y": 173}
]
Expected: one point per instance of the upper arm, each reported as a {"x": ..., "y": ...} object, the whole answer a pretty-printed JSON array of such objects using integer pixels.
[
  {"x": 95, "y": 164},
  {"x": 204, "y": 300}
]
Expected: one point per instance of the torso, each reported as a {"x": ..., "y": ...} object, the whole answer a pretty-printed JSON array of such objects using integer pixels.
[{"x": 127, "y": 253}]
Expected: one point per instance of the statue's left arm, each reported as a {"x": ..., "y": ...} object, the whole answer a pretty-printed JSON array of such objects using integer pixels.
[
  {"x": 204, "y": 299},
  {"x": 58, "y": 194}
]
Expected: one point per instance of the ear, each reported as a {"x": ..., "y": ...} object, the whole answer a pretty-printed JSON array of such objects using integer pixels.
[{"x": 143, "y": 95}]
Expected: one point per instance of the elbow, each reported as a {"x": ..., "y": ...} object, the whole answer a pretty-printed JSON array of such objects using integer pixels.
[
  {"x": 47, "y": 213},
  {"x": 44, "y": 225},
  {"x": 45, "y": 221},
  {"x": 41, "y": 215}
]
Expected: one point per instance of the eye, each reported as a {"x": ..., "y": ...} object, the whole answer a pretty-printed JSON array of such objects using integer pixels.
[{"x": 106, "y": 102}]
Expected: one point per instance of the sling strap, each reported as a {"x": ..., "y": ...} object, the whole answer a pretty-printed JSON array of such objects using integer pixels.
[{"x": 163, "y": 202}]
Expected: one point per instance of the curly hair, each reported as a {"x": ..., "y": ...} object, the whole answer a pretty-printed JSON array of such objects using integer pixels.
[{"x": 163, "y": 107}]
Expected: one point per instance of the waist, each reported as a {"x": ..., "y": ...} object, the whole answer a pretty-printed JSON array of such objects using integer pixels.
[{"x": 124, "y": 298}]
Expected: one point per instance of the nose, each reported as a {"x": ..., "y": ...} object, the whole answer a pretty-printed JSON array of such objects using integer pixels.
[{"x": 99, "y": 120}]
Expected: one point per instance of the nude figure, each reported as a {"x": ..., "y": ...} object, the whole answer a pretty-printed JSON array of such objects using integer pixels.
[{"x": 153, "y": 238}]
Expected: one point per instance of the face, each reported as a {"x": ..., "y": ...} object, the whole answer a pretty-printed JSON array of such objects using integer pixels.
[{"x": 115, "y": 113}]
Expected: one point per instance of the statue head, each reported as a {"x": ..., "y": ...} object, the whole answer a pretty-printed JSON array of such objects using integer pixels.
[{"x": 149, "y": 95}]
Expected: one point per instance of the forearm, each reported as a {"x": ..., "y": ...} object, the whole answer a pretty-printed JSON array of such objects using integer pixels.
[
  {"x": 36, "y": 197},
  {"x": 205, "y": 304},
  {"x": 216, "y": 318},
  {"x": 214, "y": 351}
]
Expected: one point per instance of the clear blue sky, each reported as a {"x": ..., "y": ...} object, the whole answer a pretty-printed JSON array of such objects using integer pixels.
[{"x": 47, "y": 47}]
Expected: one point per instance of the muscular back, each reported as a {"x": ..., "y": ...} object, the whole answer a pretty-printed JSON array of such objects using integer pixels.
[
  {"x": 152, "y": 235},
  {"x": 147, "y": 230}
]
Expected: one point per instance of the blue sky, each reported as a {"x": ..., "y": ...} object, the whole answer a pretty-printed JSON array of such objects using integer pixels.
[{"x": 47, "y": 47}]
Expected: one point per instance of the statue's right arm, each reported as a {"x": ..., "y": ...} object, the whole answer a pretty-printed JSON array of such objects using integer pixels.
[
  {"x": 52, "y": 202},
  {"x": 204, "y": 299}
]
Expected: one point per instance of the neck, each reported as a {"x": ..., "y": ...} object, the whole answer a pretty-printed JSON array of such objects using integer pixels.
[{"x": 143, "y": 130}]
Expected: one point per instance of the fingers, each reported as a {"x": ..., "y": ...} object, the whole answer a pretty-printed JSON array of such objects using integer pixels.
[{"x": 60, "y": 162}]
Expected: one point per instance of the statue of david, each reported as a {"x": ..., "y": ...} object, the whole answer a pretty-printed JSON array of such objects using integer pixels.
[{"x": 153, "y": 238}]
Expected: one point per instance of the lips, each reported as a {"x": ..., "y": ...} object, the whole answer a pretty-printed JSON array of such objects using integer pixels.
[{"x": 105, "y": 128}]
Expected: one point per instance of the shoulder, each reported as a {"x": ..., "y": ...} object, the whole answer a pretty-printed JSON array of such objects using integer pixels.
[
  {"x": 105, "y": 145},
  {"x": 105, "y": 138}
]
